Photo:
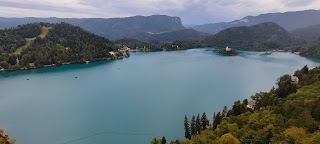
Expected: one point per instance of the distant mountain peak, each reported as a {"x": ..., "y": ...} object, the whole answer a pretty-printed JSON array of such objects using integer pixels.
[{"x": 289, "y": 20}]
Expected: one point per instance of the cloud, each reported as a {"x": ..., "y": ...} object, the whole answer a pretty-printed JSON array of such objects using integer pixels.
[{"x": 191, "y": 11}]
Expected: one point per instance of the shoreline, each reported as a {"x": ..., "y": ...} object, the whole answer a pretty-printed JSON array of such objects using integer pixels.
[{"x": 57, "y": 65}]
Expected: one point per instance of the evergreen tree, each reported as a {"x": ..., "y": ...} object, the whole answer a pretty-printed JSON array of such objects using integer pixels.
[
  {"x": 214, "y": 117},
  {"x": 198, "y": 124},
  {"x": 187, "y": 134},
  {"x": 224, "y": 111},
  {"x": 217, "y": 120},
  {"x": 204, "y": 121},
  {"x": 285, "y": 86},
  {"x": 163, "y": 140},
  {"x": 193, "y": 126},
  {"x": 305, "y": 69}
]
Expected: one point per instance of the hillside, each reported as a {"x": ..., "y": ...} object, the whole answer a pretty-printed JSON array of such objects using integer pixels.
[
  {"x": 262, "y": 36},
  {"x": 113, "y": 28},
  {"x": 311, "y": 49},
  {"x": 178, "y": 35},
  {"x": 309, "y": 34},
  {"x": 286, "y": 114},
  {"x": 43, "y": 44},
  {"x": 288, "y": 20}
]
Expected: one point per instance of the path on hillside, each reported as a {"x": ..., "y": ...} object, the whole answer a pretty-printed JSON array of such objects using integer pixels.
[{"x": 29, "y": 41}]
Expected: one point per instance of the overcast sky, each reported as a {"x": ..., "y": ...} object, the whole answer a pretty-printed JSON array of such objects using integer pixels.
[{"x": 190, "y": 11}]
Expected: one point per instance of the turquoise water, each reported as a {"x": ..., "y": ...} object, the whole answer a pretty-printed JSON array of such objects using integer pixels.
[{"x": 132, "y": 100}]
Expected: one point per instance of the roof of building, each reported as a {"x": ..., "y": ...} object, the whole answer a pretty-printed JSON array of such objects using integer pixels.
[
  {"x": 252, "y": 102},
  {"x": 31, "y": 64}
]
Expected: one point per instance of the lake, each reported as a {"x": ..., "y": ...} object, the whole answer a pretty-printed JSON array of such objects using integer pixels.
[{"x": 135, "y": 99}]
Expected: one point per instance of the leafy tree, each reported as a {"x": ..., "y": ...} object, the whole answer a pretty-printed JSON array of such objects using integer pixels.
[
  {"x": 294, "y": 134},
  {"x": 187, "y": 134},
  {"x": 285, "y": 86},
  {"x": 4, "y": 64},
  {"x": 12, "y": 60},
  {"x": 314, "y": 139},
  {"x": 155, "y": 141},
  {"x": 228, "y": 139}
]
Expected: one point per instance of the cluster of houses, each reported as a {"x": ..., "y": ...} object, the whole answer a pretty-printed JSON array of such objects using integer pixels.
[{"x": 124, "y": 50}]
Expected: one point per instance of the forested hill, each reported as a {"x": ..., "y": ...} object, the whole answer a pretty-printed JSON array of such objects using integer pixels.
[
  {"x": 310, "y": 33},
  {"x": 262, "y": 36},
  {"x": 112, "y": 28},
  {"x": 311, "y": 49},
  {"x": 289, "y": 20},
  {"x": 171, "y": 36},
  {"x": 41, "y": 44},
  {"x": 288, "y": 114}
]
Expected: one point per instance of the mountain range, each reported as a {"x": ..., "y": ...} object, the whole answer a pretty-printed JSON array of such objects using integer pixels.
[
  {"x": 144, "y": 28},
  {"x": 164, "y": 28},
  {"x": 288, "y": 20},
  {"x": 310, "y": 33}
]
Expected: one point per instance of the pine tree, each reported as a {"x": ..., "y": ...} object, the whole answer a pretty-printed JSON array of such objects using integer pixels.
[
  {"x": 214, "y": 117},
  {"x": 187, "y": 134},
  {"x": 217, "y": 120},
  {"x": 163, "y": 140},
  {"x": 224, "y": 111},
  {"x": 204, "y": 121},
  {"x": 193, "y": 126},
  {"x": 198, "y": 124}
]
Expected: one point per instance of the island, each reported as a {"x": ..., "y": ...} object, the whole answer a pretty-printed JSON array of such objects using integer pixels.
[{"x": 228, "y": 52}]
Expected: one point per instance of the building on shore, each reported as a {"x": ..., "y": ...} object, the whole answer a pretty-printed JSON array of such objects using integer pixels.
[{"x": 251, "y": 104}]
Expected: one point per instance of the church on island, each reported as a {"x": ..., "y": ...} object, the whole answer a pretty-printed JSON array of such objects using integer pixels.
[{"x": 228, "y": 49}]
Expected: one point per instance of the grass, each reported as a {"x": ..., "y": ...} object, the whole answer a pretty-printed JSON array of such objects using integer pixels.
[
  {"x": 29, "y": 41},
  {"x": 44, "y": 32}
]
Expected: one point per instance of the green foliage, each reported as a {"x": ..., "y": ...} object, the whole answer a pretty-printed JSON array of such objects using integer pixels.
[
  {"x": 228, "y": 53},
  {"x": 198, "y": 124},
  {"x": 228, "y": 139},
  {"x": 285, "y": 86},
  {"x": 313, "y": 139},
  {"x": 187, "y": 133},
  {"x": 291, "y": 117},
  {"x": 204, "y": 121},
  {"x": 155, "y": 141},
  {"x": 311, "y": 49},
  {"x": 49, "y": 44},
  {"x": 163, "y": 140},
  {"x": 4, "y": 64},
  {"x": 262, "y": 36},
  {"x": 193, "y": 126}
]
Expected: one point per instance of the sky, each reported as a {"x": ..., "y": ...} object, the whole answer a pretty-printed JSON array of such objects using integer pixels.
[{"x": 190, "y": 11}]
